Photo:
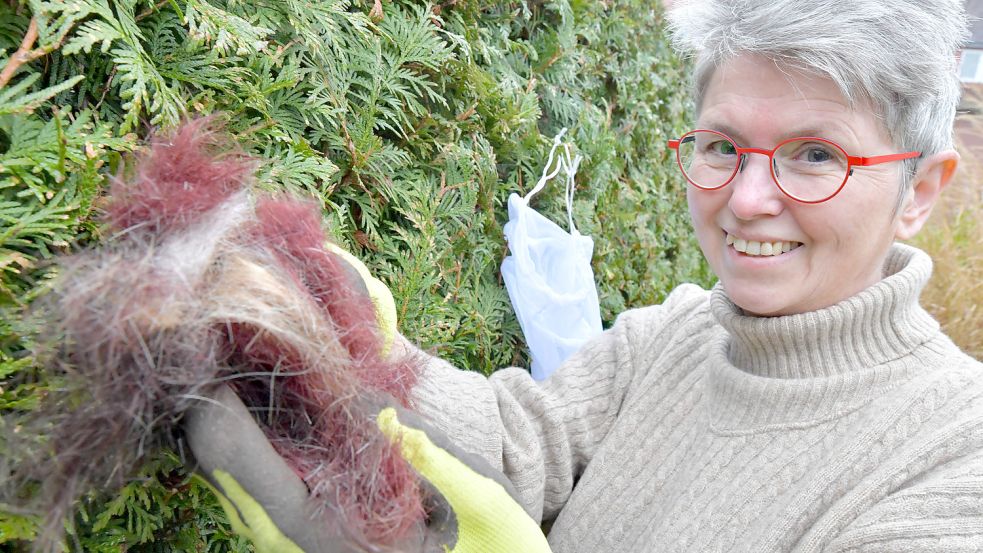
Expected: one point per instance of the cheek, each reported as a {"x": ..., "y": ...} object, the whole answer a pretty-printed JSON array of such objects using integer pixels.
[
  {"x": 850, "y": 236},
  {"x": 698, "y": 214},
  {"x": 856, "y": 221},
  {"x": 693, "y": 203},
  {"x": 703, "y": 210},
  {"x": 703, "y": 207}
]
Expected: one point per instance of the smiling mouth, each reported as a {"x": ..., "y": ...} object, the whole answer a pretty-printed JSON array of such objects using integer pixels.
[{"x": 761, "y": 249}]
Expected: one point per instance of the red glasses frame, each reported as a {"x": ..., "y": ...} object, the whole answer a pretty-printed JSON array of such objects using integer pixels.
[{"x": 852, "y": 161}]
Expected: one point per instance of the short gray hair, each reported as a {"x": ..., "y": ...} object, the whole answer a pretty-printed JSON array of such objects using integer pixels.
[{"x": 898, "y": 54}]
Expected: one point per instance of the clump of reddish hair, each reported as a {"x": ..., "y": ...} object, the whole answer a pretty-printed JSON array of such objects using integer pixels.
[
  {"x": 207, "y": 281},
  {"x": 178, "y": 178}
]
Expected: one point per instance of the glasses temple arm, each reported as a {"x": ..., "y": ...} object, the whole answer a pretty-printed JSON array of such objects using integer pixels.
[{"x": 877, "y": 160}]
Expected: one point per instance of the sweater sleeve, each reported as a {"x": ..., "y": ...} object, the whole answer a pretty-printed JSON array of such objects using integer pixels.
[
  {"x": 941, "y": 512},
  {"x": 541, "y": 435}
]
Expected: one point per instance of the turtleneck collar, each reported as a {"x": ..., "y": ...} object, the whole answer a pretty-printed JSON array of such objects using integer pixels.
[
  {"x": 796, "y": 371},
  {"x": 882, "y": 323}
]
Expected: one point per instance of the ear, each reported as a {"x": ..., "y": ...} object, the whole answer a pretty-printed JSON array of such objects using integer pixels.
[{"x": 934, "y": 173}]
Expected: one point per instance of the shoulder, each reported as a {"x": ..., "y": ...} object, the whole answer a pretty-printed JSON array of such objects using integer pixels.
[
  {"x": 951, "y": 368},
  {"x": 683, "y": 302},
  {"x": 682, "y": 322}
]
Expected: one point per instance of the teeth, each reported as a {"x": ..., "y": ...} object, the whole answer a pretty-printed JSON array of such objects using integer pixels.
[{"x": 751, "y": 247}]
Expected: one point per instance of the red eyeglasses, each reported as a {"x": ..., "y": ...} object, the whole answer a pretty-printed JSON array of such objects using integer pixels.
[{"x": 807, "y": 169}]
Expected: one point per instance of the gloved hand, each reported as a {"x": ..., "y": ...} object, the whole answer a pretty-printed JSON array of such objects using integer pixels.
[
  {"x": 487, "y": 517},
  {"x": 473, "y": 511},
  {"x": 264, "y": 499}
]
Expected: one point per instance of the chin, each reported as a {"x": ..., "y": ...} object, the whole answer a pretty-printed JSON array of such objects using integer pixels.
[
  {"x": 760, "y": 310},
  {"x": 760, "y": 303}
]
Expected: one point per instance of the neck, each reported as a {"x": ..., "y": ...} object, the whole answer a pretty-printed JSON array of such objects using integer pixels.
[
  {"x": 881, "y": 323},
  {"x": 800, "y": 370}
]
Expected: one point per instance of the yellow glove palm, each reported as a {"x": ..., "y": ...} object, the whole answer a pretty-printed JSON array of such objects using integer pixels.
[
  {"x": 247, "y": 517},
  {"x": 488, "y": 519}
]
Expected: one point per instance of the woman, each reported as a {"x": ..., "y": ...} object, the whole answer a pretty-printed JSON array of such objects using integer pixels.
[{"x": 807, "y": 402}]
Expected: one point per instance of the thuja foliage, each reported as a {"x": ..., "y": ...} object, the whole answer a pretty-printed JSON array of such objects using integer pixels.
[{"x": 409, "y": 122}]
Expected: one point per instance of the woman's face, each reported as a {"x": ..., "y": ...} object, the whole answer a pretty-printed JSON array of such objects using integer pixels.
[{"x": 839, "y": 246}]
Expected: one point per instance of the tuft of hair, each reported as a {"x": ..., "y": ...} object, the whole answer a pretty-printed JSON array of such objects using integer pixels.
[
  {"x": 292, "y": 229},
  {"x": 126, "y": 346},
  {"x": 206, "y": 284},
  {"x": 898, "y": 55},
  {"x": 178, "y": 177}
]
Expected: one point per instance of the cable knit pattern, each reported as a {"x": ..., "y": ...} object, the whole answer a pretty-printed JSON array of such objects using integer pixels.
[{"x": 689, "y": 426}]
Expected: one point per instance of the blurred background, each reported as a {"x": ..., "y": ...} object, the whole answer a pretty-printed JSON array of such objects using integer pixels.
[{"x": 954, "y": 235}]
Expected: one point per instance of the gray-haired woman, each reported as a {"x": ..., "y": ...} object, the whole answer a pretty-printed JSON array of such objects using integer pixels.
[{"x": 807, "y": 402}]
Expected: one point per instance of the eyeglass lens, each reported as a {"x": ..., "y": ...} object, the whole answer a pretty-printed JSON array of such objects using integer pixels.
[{"x": 808, "y": 170}]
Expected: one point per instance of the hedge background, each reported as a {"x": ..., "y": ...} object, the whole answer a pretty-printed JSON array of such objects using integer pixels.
[{"x": 410, "y": 122}]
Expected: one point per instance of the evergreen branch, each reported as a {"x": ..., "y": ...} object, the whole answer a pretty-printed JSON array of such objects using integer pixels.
[
  {"x": 24, "y": 54},
  {"x": 91, "y": 33},
  {"x": 225, "y": 31},
  {"x": 10, "y": 103},
  {"x": 298, "y": 167}
]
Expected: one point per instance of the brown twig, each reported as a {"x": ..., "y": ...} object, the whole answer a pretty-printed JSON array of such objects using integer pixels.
[
  {"x": 23, "y": 55},
  {"x": 105, "y": 90},
  {"x": 150, "y": 11}
]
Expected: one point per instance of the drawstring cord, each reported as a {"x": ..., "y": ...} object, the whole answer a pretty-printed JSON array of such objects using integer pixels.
[{"x": 563, "y": 162}]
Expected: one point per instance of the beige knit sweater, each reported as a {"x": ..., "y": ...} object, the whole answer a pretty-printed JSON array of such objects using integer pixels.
[{"x": 690, "y": 427}]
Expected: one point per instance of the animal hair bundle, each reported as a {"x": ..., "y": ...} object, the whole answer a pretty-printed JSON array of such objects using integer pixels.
[{"x": 204, "y": 282}]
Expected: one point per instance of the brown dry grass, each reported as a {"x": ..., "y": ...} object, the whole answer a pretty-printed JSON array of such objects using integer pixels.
[
  {"x": 954, "y": 236},
  {"x": 954, "y": 239}
]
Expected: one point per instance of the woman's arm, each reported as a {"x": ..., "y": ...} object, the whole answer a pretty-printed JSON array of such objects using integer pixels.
[{"x": 543, "y": 434}]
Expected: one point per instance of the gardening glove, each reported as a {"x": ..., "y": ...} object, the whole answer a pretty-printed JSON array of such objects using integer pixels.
[
  {"x": 471, "y": 507},
  {"x": 487, "y": 518},
  {"x": 382, "y": 298},
  {"x": 264, "y": 499}
]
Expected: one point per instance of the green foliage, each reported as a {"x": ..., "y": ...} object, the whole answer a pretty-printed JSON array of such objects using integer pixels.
[
  {"x": 161, "y": 510},
  {"x": 411, "y": 131}
]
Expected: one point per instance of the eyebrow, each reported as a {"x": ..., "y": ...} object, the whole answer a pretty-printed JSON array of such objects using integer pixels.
[
  {"x": 819, "y": 132},
  {"x": 728, "y": 130}
]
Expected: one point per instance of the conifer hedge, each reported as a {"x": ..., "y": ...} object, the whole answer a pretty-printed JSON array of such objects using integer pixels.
[{"x": 410, "y": 122}]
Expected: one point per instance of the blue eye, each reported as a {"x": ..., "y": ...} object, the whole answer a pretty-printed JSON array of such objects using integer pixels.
[{"x": 817, "y": 155}]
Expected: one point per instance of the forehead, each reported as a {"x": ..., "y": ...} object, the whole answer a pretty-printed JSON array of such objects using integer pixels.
[{"x": 758, "y": 99}]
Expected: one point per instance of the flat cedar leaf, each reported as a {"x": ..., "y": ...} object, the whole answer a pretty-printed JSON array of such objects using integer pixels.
[
  {"x": 89, "y": 34},
  {"x": 298, "y": 168},
  {"x": 11, "y": 101},
  {"x": 11, "y": 366},
  {"x": 17, "y": 527},
  {"x": 225, "y": 32},
  {"x": 24, "y": 397}
]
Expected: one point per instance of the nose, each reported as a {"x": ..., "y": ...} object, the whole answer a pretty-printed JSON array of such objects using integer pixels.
[{"x": 753, "y": 192}]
